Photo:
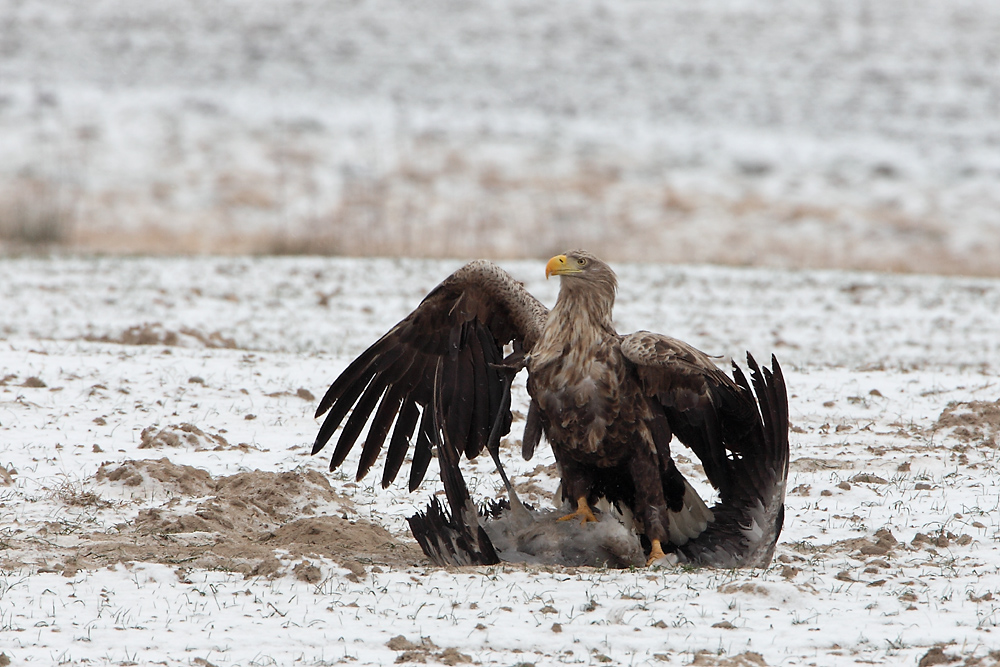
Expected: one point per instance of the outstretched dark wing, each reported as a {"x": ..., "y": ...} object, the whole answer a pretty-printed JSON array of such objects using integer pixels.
[
  {"x": 464, "y": 324},
  {"x": 748, "y": 522},
  {"x": 741, "y": 440},
  {"x": 705, "y": 409}
]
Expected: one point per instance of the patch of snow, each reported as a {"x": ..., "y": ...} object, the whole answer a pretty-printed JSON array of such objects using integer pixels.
[{"x": 891, "y": 546}]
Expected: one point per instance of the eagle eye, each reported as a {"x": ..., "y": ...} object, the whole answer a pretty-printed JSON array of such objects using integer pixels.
[{"x": 581, "y": 261}]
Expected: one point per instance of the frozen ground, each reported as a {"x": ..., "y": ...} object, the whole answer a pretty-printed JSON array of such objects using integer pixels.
[
  {"x": 158, "y": 504},
  {"x": 820, "y": 134}
]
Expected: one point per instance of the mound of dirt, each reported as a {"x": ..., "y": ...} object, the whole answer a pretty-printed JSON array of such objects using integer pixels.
[
  {"x": 179, "y": 479},
  {"x": 237, "y": 523},
  {"x": 745, "y": 659},
  {"x": 972, "y": 421},
  {"x": 247, "y": 503},
  {"x": 181, "y": 435},
  {"x": 332, "y": 536}
]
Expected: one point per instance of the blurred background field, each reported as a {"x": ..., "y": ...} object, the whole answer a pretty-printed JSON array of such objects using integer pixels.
[{"x": 848, "y": 134}]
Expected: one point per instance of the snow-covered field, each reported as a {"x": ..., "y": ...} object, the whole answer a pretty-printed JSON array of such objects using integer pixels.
[
  {"x": 829, "y": 133},
  {"x": 158, "y": 504}
]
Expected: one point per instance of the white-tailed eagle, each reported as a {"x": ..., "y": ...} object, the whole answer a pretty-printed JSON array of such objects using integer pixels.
[{"x": 608, "y": 404}]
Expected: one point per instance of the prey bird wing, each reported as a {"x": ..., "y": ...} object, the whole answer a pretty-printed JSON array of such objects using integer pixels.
[
  {"x": 458, "y": 331},
  {"x": 453, "y": 536}
]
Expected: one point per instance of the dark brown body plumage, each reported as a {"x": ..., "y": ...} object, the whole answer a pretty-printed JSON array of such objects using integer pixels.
[
  {"x": 596, "y": 418},
  {"x": 608, "y": 404}
]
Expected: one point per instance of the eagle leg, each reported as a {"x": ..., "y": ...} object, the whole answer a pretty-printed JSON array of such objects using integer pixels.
[
  {"x": 583, "y": 512},
  {"x": 656, "y": 553}
]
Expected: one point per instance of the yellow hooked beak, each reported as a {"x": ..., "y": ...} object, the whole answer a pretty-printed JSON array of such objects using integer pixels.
[{"x": 559, "y": 266}]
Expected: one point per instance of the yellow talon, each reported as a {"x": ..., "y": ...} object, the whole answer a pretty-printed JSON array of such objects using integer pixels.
[
  {"x": 655, "y": 554},
  {"x": 582, "y": 512}
]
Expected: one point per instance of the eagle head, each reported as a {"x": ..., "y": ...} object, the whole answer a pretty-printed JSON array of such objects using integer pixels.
[{"x": 575, "y": 265}]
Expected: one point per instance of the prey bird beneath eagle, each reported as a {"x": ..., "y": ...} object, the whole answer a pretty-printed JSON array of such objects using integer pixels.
[{"x": 608, "y": 404}]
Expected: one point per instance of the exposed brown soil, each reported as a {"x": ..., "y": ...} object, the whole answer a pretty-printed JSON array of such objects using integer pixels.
[
  {"x": 243, "y": 523},
  {"x": 745, "y": 659},
  {"x": 181, "y": 435},
  {"x": 972, "y": 421}
]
